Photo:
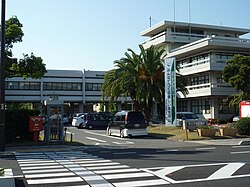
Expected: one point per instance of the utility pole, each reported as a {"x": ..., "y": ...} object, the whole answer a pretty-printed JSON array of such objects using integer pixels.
[{"x": 2, "y": 80}]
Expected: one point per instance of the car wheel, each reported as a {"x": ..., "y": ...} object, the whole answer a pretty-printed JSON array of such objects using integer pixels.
[
  {"x": 109, "y": 132},
  {"x": 90, "y": 127},
  {"x": 122, "y": 133}
]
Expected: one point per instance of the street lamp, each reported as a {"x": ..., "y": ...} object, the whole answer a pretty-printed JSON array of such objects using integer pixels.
[{"x": 2, "y": 80}]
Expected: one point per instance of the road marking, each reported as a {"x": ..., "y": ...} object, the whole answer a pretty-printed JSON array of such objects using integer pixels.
[
  {"x": 55, "y": 180},
  {"x": 127, "y": 175},
  {"x": 124, "y": 153},
  {"x": 38, "y": 164},
  {"x": 100, "y": 164},
  {"x": 141, "y": 183},
  {"x": 104, "y": 135},
  {"x": 41, "y": 167},
  {"x": 107, "y": 167},
  {"x": 226, "y": 171},
  {"x": 165, "y": 151},
  {"x": 123, "y": 143},
  {"x": 116, "y": 171},
  {"x": 95, "y": 139},
  {"x": 240, "y": 152},
  {"x": 205, "y": 148},
  {"x": 49, "y": 175},
  {"x": 240, "y": 146},
  {"x": 45, "y": 171},
  {"x": 92, "y": 161}
]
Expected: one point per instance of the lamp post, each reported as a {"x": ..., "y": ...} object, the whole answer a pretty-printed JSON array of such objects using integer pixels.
[{"x": 2, "y": 80}]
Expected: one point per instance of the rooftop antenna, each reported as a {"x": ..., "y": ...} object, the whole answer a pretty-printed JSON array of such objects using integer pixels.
[
  {"x": 150, "y": 21},
  {"x": 174, "y": 16},
  {"x": 189, "y": 16}
]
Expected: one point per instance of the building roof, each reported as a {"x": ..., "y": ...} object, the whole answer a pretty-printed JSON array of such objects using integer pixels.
[{"x": 163, "y": 25}]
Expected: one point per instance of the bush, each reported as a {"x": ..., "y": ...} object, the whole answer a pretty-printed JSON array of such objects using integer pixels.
[
  {"x": 17, "y": 124},
  {"x": 243, "y": 126}
]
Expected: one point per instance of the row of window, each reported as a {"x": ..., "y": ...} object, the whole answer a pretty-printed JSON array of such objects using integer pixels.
[
  {"x": 67, "y": 86},
  {"x": 93, "y": 86},
  {"x": 46, "y": 86},
  {"x": 202, "y": 106},
  {"x": 62, "y": 86},
  {"x": 199, "y": 80},
  {"x": 202, "y": 58}
]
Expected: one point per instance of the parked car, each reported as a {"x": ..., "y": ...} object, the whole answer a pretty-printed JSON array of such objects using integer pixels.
[
  {"x": 191, "y": 119},
  {"x": 78, "y": 120},
  {"x": 127, "y": 124},
  {"x": 92, "y": 120},
  {"x": 236, "y": 118}
]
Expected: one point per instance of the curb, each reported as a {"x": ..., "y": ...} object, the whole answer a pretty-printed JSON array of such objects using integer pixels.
[{"x": 244, "y": 142}]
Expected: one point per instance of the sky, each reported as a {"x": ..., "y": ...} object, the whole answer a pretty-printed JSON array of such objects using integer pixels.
[{"x": 92, "y": 34}]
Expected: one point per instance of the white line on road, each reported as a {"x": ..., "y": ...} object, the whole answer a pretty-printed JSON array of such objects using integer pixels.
[
  {"x": 205, "y": 148},
  {"x": 141, "y": 183},
  {"x": 127, "y": 175},
  {"x": 240, "y": 152},
  {"x": 124, "y": 153},
  {"x": 95, "y": 139},
  {"x": 240, "y": 146},
  {"x": 165, "y": 151},
  {"x": 56, "y": 180},
  {"x": 226, "y": 171}
]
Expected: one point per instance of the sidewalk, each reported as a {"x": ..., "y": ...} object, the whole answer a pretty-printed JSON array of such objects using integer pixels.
[{"x": 233, "y": 141}]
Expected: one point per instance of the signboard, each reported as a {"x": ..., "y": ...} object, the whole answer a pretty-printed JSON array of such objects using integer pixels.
[
  {"x": 35, "y": 123},
  {"x": 170, "y": 92},
  {"x": 244, "y": 109}
]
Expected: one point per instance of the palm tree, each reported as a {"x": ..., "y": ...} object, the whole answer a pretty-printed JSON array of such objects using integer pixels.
[{"x": 140, "y": 76}]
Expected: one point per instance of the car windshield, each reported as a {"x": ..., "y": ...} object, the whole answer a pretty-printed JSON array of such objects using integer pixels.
[{"x": 190, "y": 116}]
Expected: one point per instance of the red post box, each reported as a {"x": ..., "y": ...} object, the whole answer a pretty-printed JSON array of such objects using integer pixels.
[{"x": 35, "y": 125}]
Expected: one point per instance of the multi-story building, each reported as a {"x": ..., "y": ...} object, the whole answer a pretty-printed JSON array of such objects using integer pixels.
[
  {"x": 78, "y": 90},
  {"x": 201, "y": 52}
]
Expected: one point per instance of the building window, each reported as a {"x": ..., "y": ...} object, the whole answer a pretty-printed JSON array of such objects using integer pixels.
[
  {"x": 93, "y": 86},
  {"x": 182, "y": 106},
  {"x": 22, "y": 85},
  {"x": 67, "y": 86},
  {"x": 201, "y": 106},
  {"x": 199, "y": 80}
]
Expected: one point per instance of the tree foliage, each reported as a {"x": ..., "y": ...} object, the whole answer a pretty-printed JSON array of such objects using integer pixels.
[
  {"x": 141, "y": 77},
  {"x": 30, "y": 65},
  {"x": 237, "y": 74}
]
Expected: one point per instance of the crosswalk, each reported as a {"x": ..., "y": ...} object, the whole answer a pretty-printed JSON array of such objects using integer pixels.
[{"x": 79, "y": 169}]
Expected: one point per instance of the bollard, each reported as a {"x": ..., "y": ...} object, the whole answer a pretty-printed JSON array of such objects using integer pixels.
[
  {"x": 71, "y": 137},
  {"x": 184, "y": 124},
  {"x": 65, "y": 133}
]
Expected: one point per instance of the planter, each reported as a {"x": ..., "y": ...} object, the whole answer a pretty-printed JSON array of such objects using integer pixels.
[
  {"x": 227, "y": 132},
  {"x": 206, "y": 132}
]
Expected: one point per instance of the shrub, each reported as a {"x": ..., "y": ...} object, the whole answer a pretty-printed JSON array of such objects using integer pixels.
[
  {"x": 243, "y": 126},
  {"x": 17, "y": 124}
]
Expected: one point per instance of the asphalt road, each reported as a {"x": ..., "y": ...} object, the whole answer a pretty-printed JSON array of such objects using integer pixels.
[{"x": 179, "y": 163}]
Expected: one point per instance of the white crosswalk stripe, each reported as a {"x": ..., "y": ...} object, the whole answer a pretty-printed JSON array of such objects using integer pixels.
[{"x": 77, "y": 169}]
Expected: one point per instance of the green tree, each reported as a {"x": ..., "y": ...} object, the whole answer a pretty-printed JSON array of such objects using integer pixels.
[
  {"x": 237, "y": 74},
  {"x": 30, "y": 65},
  {"x": 140, "y": 76}
]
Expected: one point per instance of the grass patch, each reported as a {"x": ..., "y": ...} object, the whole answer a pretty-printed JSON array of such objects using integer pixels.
[{"x": 177, "y": 133}]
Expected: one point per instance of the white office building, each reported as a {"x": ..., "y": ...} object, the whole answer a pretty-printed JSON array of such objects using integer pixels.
[
  {"x": 201, "y": 52},
  {"x": 78, "y": 90}
]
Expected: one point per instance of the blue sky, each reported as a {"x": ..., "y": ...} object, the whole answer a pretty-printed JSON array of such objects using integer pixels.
[{"x": 92, "y": 34}]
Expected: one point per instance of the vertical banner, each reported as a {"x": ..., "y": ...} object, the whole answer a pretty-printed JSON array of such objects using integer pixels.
[{"x": 170, "y": 92}]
